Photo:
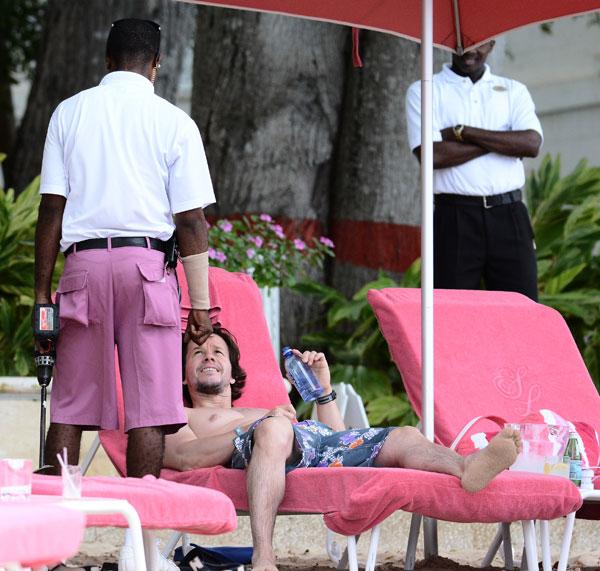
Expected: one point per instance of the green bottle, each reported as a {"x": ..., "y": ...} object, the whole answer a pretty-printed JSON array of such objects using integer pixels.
[{"x": 572, "y": 456}]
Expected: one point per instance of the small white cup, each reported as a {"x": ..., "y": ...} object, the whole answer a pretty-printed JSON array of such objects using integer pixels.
[
  {"x": 15, "y": 478},
  {"x": 71, "y": 482}
]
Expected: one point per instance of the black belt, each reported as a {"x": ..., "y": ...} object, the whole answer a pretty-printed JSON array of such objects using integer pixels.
[
  {"x": 102, "y": 244},
  {"x": 485, "y": 201}
]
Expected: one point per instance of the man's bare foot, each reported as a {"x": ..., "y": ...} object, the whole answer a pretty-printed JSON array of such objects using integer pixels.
[
  {"x": 263, "y": 565},
  {"x": 484, "y": 465},
  {"x": 264, "y": 560}
]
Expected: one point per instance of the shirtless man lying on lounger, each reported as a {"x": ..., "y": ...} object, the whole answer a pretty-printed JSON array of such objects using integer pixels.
[{"x": 268, "y": 443}]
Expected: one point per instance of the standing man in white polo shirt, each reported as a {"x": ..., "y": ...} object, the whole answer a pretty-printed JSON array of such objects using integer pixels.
[
  {"x": 123, "y": 170},
  {"x": 483, "y": 126}
]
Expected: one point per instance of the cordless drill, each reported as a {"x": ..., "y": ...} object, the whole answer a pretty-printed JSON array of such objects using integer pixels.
[{"x": 45, "y": 333}]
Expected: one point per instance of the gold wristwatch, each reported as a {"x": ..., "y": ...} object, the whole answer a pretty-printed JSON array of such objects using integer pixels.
[{"x": 458, "y": 130}]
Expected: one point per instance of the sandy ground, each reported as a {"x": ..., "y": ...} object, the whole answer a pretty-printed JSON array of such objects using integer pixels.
[{"x": 299, "y": 541}]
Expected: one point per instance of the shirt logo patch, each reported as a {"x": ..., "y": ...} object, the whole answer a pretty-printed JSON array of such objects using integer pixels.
[{"x": 499, "y": 88}]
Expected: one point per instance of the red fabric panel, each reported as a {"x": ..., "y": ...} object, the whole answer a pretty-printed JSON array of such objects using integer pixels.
[
  {"x": 480, "y": 19},
  {"x": 496, "y": 353},
  {"x": 376, "y": 245},
  {"x": 159, "y": 503},
  {"x": 37, "y": 532}
]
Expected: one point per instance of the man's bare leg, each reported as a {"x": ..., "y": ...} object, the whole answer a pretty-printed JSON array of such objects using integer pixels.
[
  {"x": 406, "y": 447},
  {"x": 145, "y": 450},
  {"x": 61, "y": 436},
  {"x": 265, "y": 481}
]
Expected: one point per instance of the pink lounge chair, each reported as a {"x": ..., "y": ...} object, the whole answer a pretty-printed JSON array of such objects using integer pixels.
[
  {"x": 352, "y": 500},
  {"x": 150, "y": 504},
  {"x": 496, "y": 354},
  {"x": 37, "y": 532}
]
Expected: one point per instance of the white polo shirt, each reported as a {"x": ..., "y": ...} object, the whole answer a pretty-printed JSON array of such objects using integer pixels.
[
  {"x": 494, "y": 103},
  {"x": 125, "y": 159}
]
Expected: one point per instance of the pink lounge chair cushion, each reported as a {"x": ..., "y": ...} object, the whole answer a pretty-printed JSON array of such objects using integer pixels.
[
  {"x": 353, "y": 500},
  {"x": 160, "y": 504},
  {"x": 37, "y": 532},
  {"x": 496, "y": 353}
]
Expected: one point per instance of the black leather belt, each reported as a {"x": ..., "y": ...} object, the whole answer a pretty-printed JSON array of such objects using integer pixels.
[
  {"x": 485, "y": 201},
  {"x": 102, "y": 244}
]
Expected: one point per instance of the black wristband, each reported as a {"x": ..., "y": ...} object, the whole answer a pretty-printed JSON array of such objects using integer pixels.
[{"x": 327, "y": 398}]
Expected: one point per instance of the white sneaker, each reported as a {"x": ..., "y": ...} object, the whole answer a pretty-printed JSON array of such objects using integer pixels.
[{"x": 127, "y": 560}]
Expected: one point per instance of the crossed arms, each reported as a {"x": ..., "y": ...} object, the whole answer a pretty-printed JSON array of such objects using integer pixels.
[{"x": 478, "y": 142}]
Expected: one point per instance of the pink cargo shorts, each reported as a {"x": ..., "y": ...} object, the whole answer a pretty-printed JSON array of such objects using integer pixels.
[{"x": 123, "y": 297}]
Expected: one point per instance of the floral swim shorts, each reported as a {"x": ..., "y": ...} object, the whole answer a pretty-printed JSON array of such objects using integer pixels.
[{"x": 317, "y": 445}]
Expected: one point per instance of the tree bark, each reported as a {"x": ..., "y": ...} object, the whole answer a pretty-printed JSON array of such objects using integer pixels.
[
  {"x": 72, "y": 59},
  {"x": 376, "y": 202},
  {"x": 7, "y": 117},
  {"x": 267, "y": 96}
]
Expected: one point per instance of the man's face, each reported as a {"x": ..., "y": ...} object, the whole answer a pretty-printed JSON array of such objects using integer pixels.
[
  {"x": 472, "y": 63},
  {"x": 208, "y": 368}
]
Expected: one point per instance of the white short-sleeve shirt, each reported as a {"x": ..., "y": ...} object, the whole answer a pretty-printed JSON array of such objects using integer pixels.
[
  {"x": 125, "y": 159},
  {"x": 494, "y": 103}
]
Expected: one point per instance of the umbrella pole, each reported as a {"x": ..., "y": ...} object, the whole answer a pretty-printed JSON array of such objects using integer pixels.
[
  {"x": 427, "y": 220},
  {"x": 427, "y": 419}
]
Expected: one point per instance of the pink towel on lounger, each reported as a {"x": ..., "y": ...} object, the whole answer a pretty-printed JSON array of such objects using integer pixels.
[
  {"x": 37, "y": 532},
  {"x": 160, "y": 504}
]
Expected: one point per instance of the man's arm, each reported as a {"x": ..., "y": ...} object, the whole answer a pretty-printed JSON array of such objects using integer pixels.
[
  {"x": 192, "y": 237},
  {"x": 47, "y": 243},
  {"x": 328, "y": 413},
  {"x": 185, "y": 451},
  {"x": 452, "y": 153},
  {"x": 509, "y": 143}
]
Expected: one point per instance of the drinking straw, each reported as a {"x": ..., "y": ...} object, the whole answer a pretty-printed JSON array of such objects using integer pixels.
[{"x": 65, "y": 472}]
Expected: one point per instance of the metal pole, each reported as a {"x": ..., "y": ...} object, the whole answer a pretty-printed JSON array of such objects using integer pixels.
[
  {"x": 42, "y": 426},
  {"x": 427, "y": 219},
  {"x": 427, "y": 411}
]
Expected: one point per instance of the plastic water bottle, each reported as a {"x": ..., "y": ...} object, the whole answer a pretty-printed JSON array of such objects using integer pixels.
[
  {"x": 572, "y": 456},
  {"x": 302, "y": 376}
]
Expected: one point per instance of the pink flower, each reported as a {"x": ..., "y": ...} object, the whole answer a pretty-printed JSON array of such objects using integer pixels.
[
  {"x": 326, "y": 242},
  {"x": 220, "y": 256},
  {"x": 299, "y": 245},
  {"x": 256, "y": 240},
  {"x": 265, "y": 218},
  {"x": 212, "y": 253},
  {"x": 278, "y": 231},
  {"x": 208, "y": 225},
  {"x": 250, "y": 253},
  {"x": 225, "y": 225}
]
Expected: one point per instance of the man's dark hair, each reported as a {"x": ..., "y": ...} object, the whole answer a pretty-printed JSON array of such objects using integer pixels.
[
  {"x": 237, "y": 372},
  {"x": 133, "y": 41}
]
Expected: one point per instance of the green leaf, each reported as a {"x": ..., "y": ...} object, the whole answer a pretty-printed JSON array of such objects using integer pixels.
[{"x": 558, "y": 283}]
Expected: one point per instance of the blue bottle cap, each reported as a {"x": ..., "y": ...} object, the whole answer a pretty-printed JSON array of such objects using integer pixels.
[{"x": 286, "y": 351}]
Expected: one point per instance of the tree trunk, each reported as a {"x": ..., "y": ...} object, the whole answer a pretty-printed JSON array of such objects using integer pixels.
[
  {"x": 267, "y": 96},
  {"x": 72, "y": 59},
  {"x": 376, "y": 202},
  {"x": 7, "y": 117}
]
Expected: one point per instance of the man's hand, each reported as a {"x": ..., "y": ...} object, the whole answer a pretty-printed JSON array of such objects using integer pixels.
[
  {"x": 286, "y": 410},
  {"x": 318, "y": 364},
  {"x": 198, "y": 327},
  {"x": 448, "y": 134}
]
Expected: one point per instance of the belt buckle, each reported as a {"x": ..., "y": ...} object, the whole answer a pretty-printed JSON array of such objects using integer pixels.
[{"x": 485, "y": 204}]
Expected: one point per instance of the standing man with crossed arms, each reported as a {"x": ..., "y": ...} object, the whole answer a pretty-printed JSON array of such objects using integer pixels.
[
  {"x": 483, "y": 126},
  {"x": 122, "y": 170}
]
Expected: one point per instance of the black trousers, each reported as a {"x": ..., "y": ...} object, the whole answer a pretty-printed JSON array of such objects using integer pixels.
[{"x": 473, "y": 244}]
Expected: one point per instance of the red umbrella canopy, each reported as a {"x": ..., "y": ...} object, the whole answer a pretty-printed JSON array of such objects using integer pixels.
[{"x": 458, "y": 24}]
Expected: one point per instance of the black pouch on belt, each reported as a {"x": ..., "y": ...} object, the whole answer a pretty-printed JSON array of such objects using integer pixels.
[{"x": 172, "y": 252}]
